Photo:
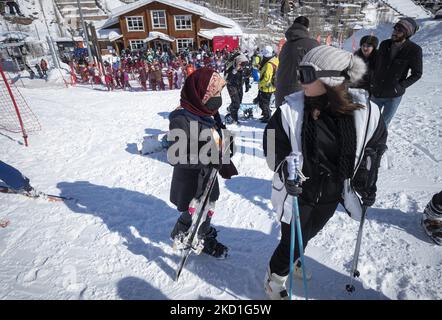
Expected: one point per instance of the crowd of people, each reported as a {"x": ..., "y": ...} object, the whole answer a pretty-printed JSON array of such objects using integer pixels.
[{"x": 154, "y": 70}]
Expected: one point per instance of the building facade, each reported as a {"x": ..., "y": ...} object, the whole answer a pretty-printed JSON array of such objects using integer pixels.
[{"x": 167, "y": 24}]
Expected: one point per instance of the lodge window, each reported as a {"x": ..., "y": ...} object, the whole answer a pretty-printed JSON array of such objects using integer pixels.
[
  {"x": 135, "y": 24},
  {"x": 136, "y": 44},
  {"x": 183, "y": 22},
  {"x": 184, "y": 43},
  {"x": 159, "y": 19}
]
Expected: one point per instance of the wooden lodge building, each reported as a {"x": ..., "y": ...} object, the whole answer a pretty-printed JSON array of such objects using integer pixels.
[{"x": 174, "y": 24}]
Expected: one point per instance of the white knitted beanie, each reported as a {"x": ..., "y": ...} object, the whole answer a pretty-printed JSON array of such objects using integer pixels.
[{"x": 331, "y": 58}]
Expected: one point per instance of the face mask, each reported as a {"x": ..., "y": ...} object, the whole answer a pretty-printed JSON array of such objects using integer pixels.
[
  {"x": 214, "y": 103},
  {"x": 318, "y": 102}
]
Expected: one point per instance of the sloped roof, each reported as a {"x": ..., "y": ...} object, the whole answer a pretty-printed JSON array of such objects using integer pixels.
[
  {"x": 205, "y": 13},
  {"x": 158, "y": 35}
]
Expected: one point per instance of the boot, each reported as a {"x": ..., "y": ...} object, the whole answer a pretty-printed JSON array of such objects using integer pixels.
[
  {"x": 180, "y": 229},
  {"x": 297, "y": 271},
  {"x": 212, "y": 247},
  {"x": 432, "y": 221},
  {"x": 274, "y": 286}
]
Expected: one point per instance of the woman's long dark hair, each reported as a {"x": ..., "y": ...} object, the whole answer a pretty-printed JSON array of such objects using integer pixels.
[{"x": 340, "y": 101}]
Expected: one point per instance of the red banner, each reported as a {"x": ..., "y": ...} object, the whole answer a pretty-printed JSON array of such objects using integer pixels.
[{"x": 221, "y": 42}]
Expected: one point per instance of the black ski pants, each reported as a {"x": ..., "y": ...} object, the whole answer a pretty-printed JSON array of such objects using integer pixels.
[
  {"x": 313, "y": 219},
  {"x": 236, "y": 98},
  {"x": 264, "y": 104}
]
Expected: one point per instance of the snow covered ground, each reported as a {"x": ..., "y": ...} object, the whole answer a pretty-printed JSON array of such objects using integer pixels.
[{"x": 113, "y": 242}]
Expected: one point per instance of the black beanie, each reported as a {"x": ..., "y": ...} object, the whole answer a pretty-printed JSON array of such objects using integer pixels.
[
  {"x": 302, "y": 20},
  {"x": 370, "y": 40}
]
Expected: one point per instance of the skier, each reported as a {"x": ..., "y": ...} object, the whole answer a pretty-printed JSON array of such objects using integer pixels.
[
  {"x": 323, "y": 123},
  {"x": 15, "y": 180},
  {"x": 234, "y": 78},
  {"x": 200, "y": 101},
  {"x": 432, "y": 219},
  {"x": 367, "y": 52},
  {"x": 396, "y": 58},
  {"x": 14, "y": 8},
  {"x": 298, "y": 44},
  {"x": 269, "y": 68}
]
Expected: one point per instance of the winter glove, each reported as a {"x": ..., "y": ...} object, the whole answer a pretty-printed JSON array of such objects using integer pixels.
[
  {"x": 227, "y": 171},
  {"x": 293, "y": 188},
  {"x": 367, "y": 175},
  {"x": 369, "y": 197}
]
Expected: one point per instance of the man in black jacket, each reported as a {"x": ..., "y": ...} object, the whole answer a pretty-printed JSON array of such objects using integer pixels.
[
  {"x": 396, "y": 57},
  {"x": 297, "y": 45},
  {"x": 234, "y": 79}
]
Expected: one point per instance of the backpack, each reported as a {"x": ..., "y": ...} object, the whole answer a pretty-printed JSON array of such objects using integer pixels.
[{"x": 273, "y": 80}]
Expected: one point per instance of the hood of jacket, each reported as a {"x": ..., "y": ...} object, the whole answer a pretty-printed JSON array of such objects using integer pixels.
[{"x": 296, "y": 32}]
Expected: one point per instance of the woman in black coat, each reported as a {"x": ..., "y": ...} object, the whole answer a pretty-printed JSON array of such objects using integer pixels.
[
  {"x": 368, "y": 52},
  {"x": 197, "y": 116}
]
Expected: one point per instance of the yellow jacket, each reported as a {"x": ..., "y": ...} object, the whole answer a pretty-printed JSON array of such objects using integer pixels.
[
  {"x": 267, "y": 72},
  {"x": 256, "y": 61}
]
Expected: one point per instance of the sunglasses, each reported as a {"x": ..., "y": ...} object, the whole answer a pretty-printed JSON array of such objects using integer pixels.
[
  {"x": 308, "y": 74},
  {"x": 399, "y": 28}
]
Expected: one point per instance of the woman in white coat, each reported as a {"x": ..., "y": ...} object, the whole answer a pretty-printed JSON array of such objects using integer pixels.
[{"x": 340, "y": 137}]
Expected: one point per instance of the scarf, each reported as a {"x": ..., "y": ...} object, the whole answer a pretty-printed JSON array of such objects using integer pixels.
[{"x": 346, "y": 136}]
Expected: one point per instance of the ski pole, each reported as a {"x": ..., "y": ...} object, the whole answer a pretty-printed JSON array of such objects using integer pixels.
[
  {"x": 354, "y": 273},
  {"x": 292, "y": 166}
]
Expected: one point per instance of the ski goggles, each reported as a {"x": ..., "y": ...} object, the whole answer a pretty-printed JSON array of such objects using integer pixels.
[{"x": 308, "y": 74}]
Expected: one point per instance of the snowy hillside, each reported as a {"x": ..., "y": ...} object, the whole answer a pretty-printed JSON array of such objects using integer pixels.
[
  {"x": 113, "y": 242},
  {"x": 408, "y": 8}
]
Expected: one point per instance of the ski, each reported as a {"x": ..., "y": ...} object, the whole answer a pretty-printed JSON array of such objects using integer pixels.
[
  {"x": 191, "y": 241},
  {"x": 37, "y": 194}
]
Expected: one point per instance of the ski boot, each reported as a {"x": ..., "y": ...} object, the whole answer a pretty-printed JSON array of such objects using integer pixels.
[
  {"x": 297, "y": 271},
  {"x": 274, "y": 286},
  {"x": 213, "y": 247},
  {"x": 179, "y": 233},
  {"x": 432, "y": 221}
]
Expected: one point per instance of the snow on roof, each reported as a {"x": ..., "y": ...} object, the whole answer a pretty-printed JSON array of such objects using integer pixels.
[
  {"x": 158, "y": 35},
  {"x": 13, "y": 35},
  {"x": 109, "y": 34},
  {"x": 408, "y": 8},
  {"x": 205, "y": 13},
  {"x": 349, "y": 5},
  {"x": 210, "y": 33}
]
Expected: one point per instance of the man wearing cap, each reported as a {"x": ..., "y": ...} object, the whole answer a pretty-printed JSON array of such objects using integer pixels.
[
  {"x": 297, "y": 45},
  {"x": 397, "y": 56},
  {"x": 266, "y": 86},
  {"x": 234, "y": 79}
]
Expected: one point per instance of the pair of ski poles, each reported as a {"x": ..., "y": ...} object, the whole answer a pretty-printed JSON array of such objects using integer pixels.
[{"x": 292, "y": 166}]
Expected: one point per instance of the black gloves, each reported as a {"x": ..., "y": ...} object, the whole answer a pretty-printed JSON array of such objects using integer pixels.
[
  {"x": 293, "y": 188},
  {"x": 369, "y": 197},
  {"x": 367, "y": 175}
]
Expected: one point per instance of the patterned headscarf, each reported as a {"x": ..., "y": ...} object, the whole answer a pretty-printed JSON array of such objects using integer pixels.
[{"x": 199, "y": 87}]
